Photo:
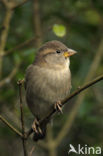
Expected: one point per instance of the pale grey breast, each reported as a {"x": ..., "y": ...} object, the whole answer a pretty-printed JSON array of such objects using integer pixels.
[{"x": 44, "y": 87}]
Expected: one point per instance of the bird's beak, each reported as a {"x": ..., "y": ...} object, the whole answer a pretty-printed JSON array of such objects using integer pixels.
[{"x": 69, "y": 53}]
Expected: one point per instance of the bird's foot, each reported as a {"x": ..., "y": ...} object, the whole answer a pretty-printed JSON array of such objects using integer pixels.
[
  {"x": 58, "y": 106},
  {"x": 36, "y": 127}
]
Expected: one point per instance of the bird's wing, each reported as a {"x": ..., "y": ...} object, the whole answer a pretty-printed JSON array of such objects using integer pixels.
[{"x": 28, "y": 73}]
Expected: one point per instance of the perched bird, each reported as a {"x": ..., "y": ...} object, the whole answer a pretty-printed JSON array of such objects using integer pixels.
[{"x": 48, "y": 80}]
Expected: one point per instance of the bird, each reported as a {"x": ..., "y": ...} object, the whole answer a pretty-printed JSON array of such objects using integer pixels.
[{"x": 48, "y": 82}]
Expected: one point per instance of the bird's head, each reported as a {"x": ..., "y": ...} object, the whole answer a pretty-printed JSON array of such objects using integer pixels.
[{"x": 54, "y": 54}]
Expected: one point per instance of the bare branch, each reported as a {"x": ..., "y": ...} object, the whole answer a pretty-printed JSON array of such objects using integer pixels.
[
  {"x": 37, "y": 23},
  {"x": 10, "y": 126},
  {"x": 78, "y": 91},
  {"x": 22, "y": 118},
  {"x": 4, "y": 34}
]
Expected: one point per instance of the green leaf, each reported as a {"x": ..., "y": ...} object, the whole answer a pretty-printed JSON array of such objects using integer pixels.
[{"x": 59, "y": 30}]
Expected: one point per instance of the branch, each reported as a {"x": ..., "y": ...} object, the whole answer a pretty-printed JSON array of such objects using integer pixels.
[
  {"x": 22, "y": 118},
  {"x": 5, "y": 25},
  {"x": 10, "y": 6},
  {"x": 4, "y": 34},
  {"x": 10, "y": 126},
  {"x": 37, "y": 23},
  {"x": 78, "y": 91}
]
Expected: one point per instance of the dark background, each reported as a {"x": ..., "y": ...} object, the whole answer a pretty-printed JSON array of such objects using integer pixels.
[{"x": 24, "y": 28}]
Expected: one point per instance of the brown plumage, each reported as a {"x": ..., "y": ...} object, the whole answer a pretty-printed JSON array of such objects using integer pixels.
[{"x": 48, "y": 79}]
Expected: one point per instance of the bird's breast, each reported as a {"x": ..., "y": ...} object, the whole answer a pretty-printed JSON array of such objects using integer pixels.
[
  {"x": 44, "y": 87},
  {"x": 51, "y": 85}
]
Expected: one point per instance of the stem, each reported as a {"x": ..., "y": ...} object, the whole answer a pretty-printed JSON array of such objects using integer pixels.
[
  {"x": 37, "y": 22},
  {"x": 78, "y": 91},
  {"x": 10, "y": 126},
  {"x": 22, "y": 118},
  {"x": 4, "y": 35},
  {"x": 99, "y": 78}
]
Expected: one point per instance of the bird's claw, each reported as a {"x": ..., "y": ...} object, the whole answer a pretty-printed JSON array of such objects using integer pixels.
[
  {"x": 58, "y": 106},
  {"x": 36, "y": 126}
]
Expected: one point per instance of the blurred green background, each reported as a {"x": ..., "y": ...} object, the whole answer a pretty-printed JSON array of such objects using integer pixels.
[{"x": 24, "y": 27}]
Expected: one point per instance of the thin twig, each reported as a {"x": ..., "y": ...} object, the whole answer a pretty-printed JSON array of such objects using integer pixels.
[
  {"x": 3, "y": 36},
  {"x": 37, "y": 23},
  {"x": 22, "y": 118},
  {"x": 99, "y": 78},
  {"x": 10, "y": 126},
  {"x": 78, "y": 91}
]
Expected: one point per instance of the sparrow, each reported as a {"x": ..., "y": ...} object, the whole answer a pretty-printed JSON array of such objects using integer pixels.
[{"x": 48, "y": 81}]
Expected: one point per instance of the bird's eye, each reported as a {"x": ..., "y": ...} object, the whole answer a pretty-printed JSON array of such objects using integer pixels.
[{"x": 58, "y": 51}]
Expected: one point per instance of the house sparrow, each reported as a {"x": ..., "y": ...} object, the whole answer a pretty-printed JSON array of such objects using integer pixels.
[{"x": 48, "y": 79}]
